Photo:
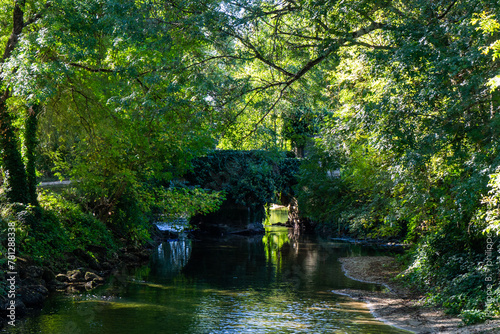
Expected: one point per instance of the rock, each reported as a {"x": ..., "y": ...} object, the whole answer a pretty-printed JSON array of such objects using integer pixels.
[
  {"x": 33, "y": 272},
  {"x": 57, "y": 285},
  {"x": 90, "y": 285},
  {"x": 90, "y": 276},
  {"x": 75, "y": 275},
  {"x": 4, "y": 303},
  {"x": 40, "y": 289},
  {"x": 87, "y": 258},
  {"x": 70, "y": 258},
  {"x": 74, "y": 289},
  {"x": 31, "y": 297},
  {"x": 32, "y": 281},
  {"x": 62, "y": 278},
  {"x": 79, "y": 286},
  {"x": 94, "y": 265},
  {"x": 48, "y": 275},
  {"x": 21, "y": 309}
]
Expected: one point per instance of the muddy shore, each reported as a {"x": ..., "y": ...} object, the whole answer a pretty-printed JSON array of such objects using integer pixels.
[{"x": 398, "y": 306}]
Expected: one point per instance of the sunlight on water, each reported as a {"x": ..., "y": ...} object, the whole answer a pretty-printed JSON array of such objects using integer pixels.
[{"x": 276, "y": 283}]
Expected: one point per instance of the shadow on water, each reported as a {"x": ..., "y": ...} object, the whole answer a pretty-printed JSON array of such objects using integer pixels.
[{"x": 276, "y": 283}]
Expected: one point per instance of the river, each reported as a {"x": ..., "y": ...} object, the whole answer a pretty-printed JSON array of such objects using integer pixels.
[{"x": 276, "y": 283}]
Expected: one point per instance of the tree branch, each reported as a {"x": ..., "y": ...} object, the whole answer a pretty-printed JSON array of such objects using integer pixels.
[
  {"x": 376, "y": 47},
  {"x": 253, "y": 90},
  {"x": 213, "y": 58},
  {"x": 17, "y": 29},
  {"x": 300, "y": 36},
  {"x": 267, "y": 112},
  {"x": 90, "y": 69},
  {"x": 37, "y": 16},
  {"x": 259, "y": 56},
  {"x": 335, "y": 45},
  {"x": 447, "y": 10}
]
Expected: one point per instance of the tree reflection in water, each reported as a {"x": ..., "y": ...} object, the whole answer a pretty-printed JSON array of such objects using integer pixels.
[{"x": 171, "y": 257}]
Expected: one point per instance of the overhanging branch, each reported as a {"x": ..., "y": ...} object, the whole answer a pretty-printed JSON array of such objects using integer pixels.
[{"x": 90, "y": 69}]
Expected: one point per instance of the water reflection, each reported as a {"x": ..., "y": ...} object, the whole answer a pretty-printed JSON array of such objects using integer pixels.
[
  {"x": 278, "y": 215},
  {"x": 170, "y": 257},
  {"x": 277, "y": 283},
  {"x": 276, "y": 238}
]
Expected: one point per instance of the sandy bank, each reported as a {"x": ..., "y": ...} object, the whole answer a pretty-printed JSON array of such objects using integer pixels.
[{"x": 398, "y": 306}]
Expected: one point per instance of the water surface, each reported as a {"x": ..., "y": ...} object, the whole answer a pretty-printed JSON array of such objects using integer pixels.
[{"x": 276, "y": 283}]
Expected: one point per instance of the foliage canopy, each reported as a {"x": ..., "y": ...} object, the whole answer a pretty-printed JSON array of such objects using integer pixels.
[{"x": 402, "y": 97}]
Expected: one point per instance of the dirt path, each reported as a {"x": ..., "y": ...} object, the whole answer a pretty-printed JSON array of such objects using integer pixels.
[{"x": 398, "y": 306}]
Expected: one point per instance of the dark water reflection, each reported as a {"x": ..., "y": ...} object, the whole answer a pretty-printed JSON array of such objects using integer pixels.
[{"x": 270, "y": 284}]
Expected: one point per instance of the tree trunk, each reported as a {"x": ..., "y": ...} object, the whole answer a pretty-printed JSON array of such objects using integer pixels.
[
  {"x": 15, "y": 174},
  {"x": 30, "y": 144}
]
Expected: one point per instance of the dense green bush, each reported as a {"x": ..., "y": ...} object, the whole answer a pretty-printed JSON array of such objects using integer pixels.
[
  {"x": 442, "y": 216},
  {"x": 456, "y": 277},
  {"x": 57, "y": 227},
  {"x": 341, "y": 198},
  {"x": 320, "y": 196},
  {"x": 82, "y": 227}
]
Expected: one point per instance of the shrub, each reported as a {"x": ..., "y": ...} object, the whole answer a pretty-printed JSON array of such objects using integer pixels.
[
  {"x": 455, "y": 276},
  {"x": 58, "y": 226},
  {"x": 470, "y": 317}
]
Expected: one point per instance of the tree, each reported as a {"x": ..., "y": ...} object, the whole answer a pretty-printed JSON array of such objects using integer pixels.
[
  {"x": 19, "y": 186},
  {"x": 489, "y": 25},
  {"x": 415, "y": 132},
  {"x": 299, "y": 125},
  {"x": 123, "y": 86},
  {"x": 285, "y": 45}
]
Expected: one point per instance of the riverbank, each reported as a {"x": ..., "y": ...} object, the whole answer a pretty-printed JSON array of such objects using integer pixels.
[
  {"x": 78, "y": 272},
  {"x": 398, "y": 306}
]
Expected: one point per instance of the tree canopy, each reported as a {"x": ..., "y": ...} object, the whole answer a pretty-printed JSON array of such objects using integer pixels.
[{"x": 398, "y": 97}]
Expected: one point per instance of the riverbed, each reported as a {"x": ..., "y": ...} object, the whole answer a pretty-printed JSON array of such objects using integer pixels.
[{"x": 279, "y": 282}]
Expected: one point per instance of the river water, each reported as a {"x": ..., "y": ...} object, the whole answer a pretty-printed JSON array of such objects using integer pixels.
[{"x": 276, "y": 283}]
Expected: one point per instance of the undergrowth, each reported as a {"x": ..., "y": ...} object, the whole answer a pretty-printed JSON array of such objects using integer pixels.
[
  {"x": 45, "y": 234},
  {"x": 459, "y": 279}
]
